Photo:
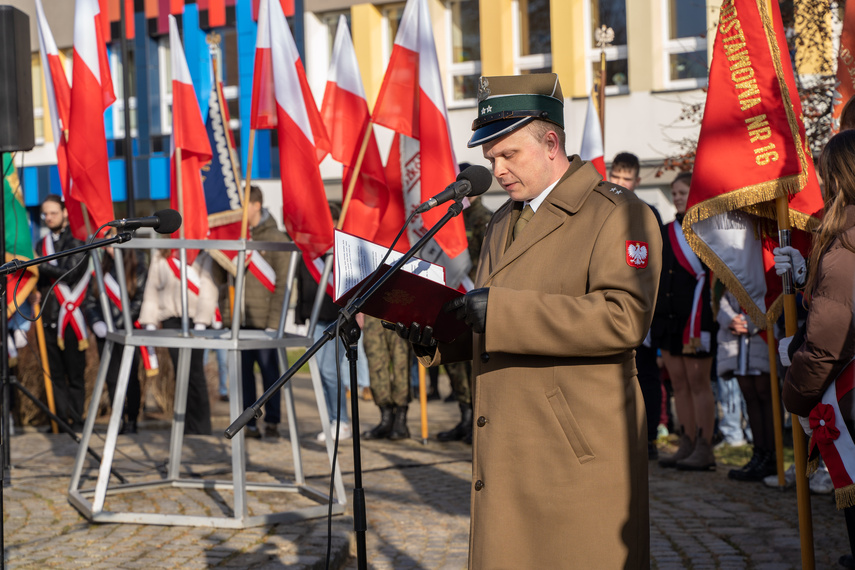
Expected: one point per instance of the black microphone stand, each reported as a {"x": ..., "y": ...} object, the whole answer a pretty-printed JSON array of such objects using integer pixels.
[
  {"x": 12, "y": 267},
  {"x": 12, "y": 382},
  {"x": 350, "y": 335}
]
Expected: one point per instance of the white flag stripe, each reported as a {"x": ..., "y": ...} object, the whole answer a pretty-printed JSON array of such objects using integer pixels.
[
  {"x": 283, "y": 52},
  {"x": 45, "y": 36},
  {"x": 344, "y": 70},
  {"x": 592, "y": 136},
  {"x": 85, "y": 40},
  {"x": 180, "y": 70},
  {"x": 48, "y": 47},
  {"x": 262, "y": 39}
]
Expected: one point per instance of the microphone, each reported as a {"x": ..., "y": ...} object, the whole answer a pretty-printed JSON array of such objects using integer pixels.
[
  {"x": 163, "y": 222},
  {"x": 473, "y": 181}
]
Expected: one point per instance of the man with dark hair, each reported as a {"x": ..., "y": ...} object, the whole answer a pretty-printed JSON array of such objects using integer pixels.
[
  {"x": 566, "y": 289},
  {"x": 64, "y": 324},
  {"x": 264, "y": 293},
  {"x": 624, "y": 171}
]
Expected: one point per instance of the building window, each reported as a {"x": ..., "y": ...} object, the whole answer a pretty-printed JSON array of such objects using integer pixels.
[
  {"x": 612, "y": 14},
  {"x": 164, "y": 57},
  {"x": 685, "y": 43},
  {"x": 464, "y": 38},
  {"x": 118, "y": 108},
  {"x": 532, "y": 36},
  {"x": 330, "y": 21}
]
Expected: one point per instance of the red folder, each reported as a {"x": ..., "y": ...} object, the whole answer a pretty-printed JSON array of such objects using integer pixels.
[{"x": 409, "y": 298}]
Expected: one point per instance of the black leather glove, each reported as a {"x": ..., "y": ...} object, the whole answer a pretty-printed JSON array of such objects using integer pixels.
[
  {"x": 471, "y": 308},
  {"x": 421, "y": 338}
]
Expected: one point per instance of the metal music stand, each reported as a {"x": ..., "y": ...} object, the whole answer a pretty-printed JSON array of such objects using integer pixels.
[{"x": 91, "y": 501}]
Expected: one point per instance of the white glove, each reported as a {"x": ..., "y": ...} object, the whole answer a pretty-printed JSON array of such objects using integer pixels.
[
  {"x": 805, "y": 425},
  {"x": 150, "y": 327},
  {"x": 100, "y": 329},
  {"x": 199, "y": 327},
  {"x": 784, "y": 350},
  {"x": 217, "y": 325},
  {"x": 787, "y": 258},
  {"x": 20, "y": 338}
]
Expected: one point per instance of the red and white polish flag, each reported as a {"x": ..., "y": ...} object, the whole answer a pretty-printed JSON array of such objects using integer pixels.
[
  {"x": 345, "y": 112},
  {"x": 592, "y": 140},
  {"x": 58, "y": 94},
  {"x": 411, "y": 102},
  {"x": 263, "y": 114},
  {"x": 189, "y": 135},
  {"x": 91, "y": 94},
  {"x": 303, "y": 141}
]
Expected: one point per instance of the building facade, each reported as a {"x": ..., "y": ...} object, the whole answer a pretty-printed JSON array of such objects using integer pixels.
[{"x": 657, "y": 63}]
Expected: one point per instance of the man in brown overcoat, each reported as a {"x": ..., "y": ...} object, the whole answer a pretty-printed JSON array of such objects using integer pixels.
[{"x": 559, "y": 472}]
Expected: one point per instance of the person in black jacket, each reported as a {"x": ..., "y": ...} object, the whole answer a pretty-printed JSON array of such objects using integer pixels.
[
  {"x": 136, "y": 271},
  {"x": 65, "y": 327}
]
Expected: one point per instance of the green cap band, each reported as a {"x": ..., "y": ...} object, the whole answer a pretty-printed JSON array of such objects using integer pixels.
[{"x": 503, "y": 107}]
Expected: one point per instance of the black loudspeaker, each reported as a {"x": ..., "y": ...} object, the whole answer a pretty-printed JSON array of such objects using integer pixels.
[{"x": 16, "y": 84}]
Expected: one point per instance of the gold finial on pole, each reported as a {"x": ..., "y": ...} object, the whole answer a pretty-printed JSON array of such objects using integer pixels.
[{"x": 603, "y": 36}]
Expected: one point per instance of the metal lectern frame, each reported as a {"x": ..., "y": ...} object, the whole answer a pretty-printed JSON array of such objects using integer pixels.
[{"x": 91, "y": 501}]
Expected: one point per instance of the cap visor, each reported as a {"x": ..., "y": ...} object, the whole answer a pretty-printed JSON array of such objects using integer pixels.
[{"x": 495, "y": 130}]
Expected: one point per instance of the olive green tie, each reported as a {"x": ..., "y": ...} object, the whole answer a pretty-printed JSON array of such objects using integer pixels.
[{"x": 524, "y": 218}]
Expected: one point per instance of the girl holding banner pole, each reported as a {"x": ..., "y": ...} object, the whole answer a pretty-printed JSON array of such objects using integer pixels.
[{"x": 819, "y": 383}]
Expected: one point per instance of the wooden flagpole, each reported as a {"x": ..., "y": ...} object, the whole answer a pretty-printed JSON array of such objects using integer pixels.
[
  {"x": 355, "y": 174},
  {"x": 799, "y": 445},
  {"x": 776, "y": 406},
  {"x": 245, "y": 219},
  {"x": 423, "y": 403},
  {"x": 604, "y": 36},
  {"x": 214, "y": 39},
  {"x": 782, "y": 207},
  {"x": 40, "y": 335}
]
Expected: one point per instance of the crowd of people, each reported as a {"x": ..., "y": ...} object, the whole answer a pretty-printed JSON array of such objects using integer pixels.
[
  {"x": 73, "y": 313},
  {"x": 556, "y": 412}
]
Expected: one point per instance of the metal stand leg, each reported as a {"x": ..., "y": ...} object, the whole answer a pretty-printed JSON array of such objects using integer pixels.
[
  {"x": 241, "y": 510},
  {"x": 350, "y": 333},
  {"x": 176, "y": 440}
]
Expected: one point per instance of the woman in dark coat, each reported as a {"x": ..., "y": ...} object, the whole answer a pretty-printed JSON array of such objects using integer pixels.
[{"x": 682, "y": 329}]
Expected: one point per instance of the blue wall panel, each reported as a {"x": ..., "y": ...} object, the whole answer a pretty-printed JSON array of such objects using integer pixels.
[
  {"x": 159, "y": 177},
  {"x": 30, "y": 179},
  {"x": 118, "y": 187}
]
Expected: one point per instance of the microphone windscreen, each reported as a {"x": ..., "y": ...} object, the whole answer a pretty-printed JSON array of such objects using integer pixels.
[
  {"x": 480, "y": 178},
  {"x": 170, "y": 221}
]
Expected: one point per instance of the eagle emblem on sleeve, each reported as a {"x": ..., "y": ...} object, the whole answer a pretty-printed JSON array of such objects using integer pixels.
[{"x": 636, "y": 254}]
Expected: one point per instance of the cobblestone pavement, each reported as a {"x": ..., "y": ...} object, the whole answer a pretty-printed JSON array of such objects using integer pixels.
[{"x": 417, "y": 500}]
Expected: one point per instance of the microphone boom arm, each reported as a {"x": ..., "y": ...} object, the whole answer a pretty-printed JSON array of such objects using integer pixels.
[
  {"x": 17, "y": 264},
  {"x": 347, "y": 313}
]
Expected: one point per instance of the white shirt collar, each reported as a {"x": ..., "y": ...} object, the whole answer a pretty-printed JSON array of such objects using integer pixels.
[{"x": 536, "y": 202}]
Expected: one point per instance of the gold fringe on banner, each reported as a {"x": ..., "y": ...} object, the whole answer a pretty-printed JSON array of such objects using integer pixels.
[{"x": 844, "y": 497}]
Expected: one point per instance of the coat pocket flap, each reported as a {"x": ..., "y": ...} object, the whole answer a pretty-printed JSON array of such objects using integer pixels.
[{"x": 571, "y": 428}]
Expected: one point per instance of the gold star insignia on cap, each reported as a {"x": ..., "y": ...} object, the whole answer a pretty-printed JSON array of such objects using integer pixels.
[{"x": 487, "y": 109}]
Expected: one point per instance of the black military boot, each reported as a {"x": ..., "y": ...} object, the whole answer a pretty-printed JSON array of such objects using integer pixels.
[
  {"x": 381, "y": 430},
  {"x": 399, "y": 427},
  {"x": 463, "y": 427}
]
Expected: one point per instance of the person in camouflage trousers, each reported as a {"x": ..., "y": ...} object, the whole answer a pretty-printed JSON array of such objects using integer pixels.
[
  {"x": 389, "y": 360},
  {"x": 475, "y": 219}
]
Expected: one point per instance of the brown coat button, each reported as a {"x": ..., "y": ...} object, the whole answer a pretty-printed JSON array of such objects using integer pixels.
[
  {"x": 482, "y": 421},
  {"x": 479, "y": 485},
  {"x": 485, "y": 357}
]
